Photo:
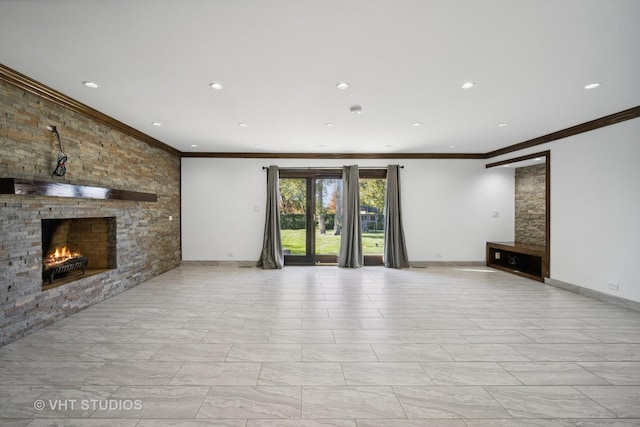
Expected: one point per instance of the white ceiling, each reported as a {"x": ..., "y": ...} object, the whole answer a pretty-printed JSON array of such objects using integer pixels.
[{"x": 280, "y": 61}]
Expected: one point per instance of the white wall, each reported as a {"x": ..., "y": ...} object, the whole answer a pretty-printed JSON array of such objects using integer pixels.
[
  {"x": 448, "y": 206},
  {"x": 595, "y": 208}
]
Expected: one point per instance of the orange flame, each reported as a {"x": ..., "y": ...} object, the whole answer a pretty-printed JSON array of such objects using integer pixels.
[{"x": 62, "y": 254}]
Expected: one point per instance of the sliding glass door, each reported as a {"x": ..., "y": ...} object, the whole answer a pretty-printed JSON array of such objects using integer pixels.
[{"x": 311, "y": 215}]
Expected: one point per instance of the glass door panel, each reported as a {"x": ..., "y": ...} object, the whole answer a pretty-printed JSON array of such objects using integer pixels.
[
  {"x": 372, "y": 198},
  {"x": 293, "y": 217},
  {"x": 328, "y": 193}
]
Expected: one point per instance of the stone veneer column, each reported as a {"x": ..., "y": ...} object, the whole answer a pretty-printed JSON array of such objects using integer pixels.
[{"x": 530, "y": 209}]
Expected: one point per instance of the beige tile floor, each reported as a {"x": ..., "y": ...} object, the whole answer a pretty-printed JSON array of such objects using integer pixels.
[{"x": 323, "y": 346}]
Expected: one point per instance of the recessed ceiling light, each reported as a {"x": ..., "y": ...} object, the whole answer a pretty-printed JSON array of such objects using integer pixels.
[
  {"x": 452, "y": 146},
  {"x": 257, "y": 146},
  {"x": 194, "y": 145},
  {"x": 356, "y": 109},
  {"x": 592, "y": 86},
  {"x": 417, "y": 124},
  {"x": 537, "y": 159},
  {"x": 329, "y": 125},
  {"x": 243, "y": 125},
  {"x": 342, "y": 85},
  {"x": 215, "y": 85},
  {"x": 501, "y": 125},
  {"x": 467, "y": 85},
  {"x": 92, "y": 85},
  {"x": 156, "y": 123}
]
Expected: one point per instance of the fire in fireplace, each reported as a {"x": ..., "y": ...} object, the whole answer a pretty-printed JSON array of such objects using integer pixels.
[
  {"x": 74, "y": 246},
  {"x": 62, "y": 261},
  {"x": 60, "y": 255}
]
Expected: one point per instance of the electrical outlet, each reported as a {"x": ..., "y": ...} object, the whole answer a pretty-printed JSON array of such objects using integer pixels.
[
  {"x": 612, "y": 286},
  {"x": 170, "y": 218},
  {"x": 497, "y": 255}
]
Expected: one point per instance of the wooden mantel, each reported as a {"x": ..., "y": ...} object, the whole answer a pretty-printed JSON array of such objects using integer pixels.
[{"x": 59, "y": 189}]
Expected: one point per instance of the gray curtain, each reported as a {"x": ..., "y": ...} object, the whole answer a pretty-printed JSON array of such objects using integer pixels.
[
  {"x": 395, "y": 251},
  {"x": 351, "y": 237},
  {"x": 272, "y": 255}
]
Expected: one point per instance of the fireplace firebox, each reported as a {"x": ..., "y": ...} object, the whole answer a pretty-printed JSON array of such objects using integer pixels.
[{"x": 73, "y": 248}]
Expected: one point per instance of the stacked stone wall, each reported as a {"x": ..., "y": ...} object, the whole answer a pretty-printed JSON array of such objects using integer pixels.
[
  {"x": 148, "y": 243},
  {"x": 530, "y": 201}
]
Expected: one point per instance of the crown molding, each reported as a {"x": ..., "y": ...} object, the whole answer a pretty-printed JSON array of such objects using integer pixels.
[
  {"x": 336, "y": 155},
  {"x": 611, "y": 119},
  {"x": 21, "y": 81}
]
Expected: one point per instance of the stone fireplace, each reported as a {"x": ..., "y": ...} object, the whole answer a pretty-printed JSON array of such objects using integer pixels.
[
  {"x": 118, "y": 179},
  {"x": 76, "y": 247}
]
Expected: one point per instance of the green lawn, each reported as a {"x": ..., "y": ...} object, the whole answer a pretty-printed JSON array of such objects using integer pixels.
[{"x": 329, "y": 244}]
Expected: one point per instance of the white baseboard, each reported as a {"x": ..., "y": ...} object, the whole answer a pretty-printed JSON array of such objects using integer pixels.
[
  {"x": 414, "y": 264},
  {"x": 223, "y": 263},
  {"x": 423, "y": 264},
  {"x": 601, "y": 296}
]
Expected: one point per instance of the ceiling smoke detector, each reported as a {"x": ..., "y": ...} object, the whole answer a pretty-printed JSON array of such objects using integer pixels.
[{"x": 356, "y": 109}]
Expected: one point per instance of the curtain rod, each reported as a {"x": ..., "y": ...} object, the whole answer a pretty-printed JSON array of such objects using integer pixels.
[{"x": 335, "y": 167}]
